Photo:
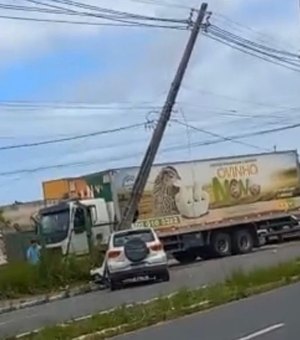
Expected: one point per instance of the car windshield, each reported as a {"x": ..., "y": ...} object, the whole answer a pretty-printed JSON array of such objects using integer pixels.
[
  {"x": 56, "y": 222},
  {"x": 121, "y": 238}
]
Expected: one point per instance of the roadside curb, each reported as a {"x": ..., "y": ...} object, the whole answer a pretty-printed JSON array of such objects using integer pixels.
[{"x": 31, "y": 302}]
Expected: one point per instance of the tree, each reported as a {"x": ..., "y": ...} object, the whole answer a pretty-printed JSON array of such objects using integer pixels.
[{"x": 4, "y": 222}]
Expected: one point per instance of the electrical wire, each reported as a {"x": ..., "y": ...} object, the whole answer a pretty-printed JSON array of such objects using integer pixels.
[
  {"x": 240, "y": 136},
  {"x": 107, "y": 14},
  {"x": 122, "y": 19},
  {"x": 213, "y": 134},
  {"x": 261, "y": 46},
  {"x": 239, "y": 100},
  {"x": 165, "y": 150},
  {"x": 84, "y": 23},
  {"x": 162, "y": 4},
  {"x": 71, "y": 138},
  {"x": 78, "y": 4},
  {"x": 281, "y": 57},
  {"x": 241, "y": 27},
  {"x": 70, "y": 106}
]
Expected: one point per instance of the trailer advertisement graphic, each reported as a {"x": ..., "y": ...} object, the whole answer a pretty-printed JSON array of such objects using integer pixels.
[{"x": 213, "y": 190}]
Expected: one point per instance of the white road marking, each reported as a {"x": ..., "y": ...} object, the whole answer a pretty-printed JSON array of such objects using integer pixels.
[{"x": 262, "y": 332}]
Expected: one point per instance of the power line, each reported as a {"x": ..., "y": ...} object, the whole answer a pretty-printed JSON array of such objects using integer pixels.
[
  {"x": 105, "y": 13},
  {"x": 283, "y": 58},
  {"x": 67, "y": 139},
  {"x": 116, "y": 13},
  {"x": 70, "y": 106},
  {"x": 262, "y": 36},
  {"x": 222, "y": 139},
  {"x": 213, "y": 134},
  {"x": 235, "y": 99},
  {"x": 111, "y": 15},
  {"x": 162, "y": 4},
  {"x": 84, "y": 23},
  {"x": 240, "y": 136}
]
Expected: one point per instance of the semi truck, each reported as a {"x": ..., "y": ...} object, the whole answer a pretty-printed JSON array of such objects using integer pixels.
[{"x": 203, "y": 208}]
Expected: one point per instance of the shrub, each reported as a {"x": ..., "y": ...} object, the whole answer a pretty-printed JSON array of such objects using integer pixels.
[{"x": 52, "y": 273}]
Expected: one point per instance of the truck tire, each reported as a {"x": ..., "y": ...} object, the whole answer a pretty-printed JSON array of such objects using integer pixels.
[
  {"x": 136, "y": 250},
  {"x": 185, "y": 257},
  {"x": 242, "y": 241},
  {"x": 221, "y": 244}
]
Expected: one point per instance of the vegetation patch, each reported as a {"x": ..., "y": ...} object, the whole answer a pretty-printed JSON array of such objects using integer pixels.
[
  {"x": 184, "y": 302},
  {"x": 51, "y": 274}
]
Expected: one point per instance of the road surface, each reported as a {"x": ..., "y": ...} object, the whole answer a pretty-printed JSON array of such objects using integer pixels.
[
  {"x": 271, "y": 316},
  {"x": 194, "y": 275}
]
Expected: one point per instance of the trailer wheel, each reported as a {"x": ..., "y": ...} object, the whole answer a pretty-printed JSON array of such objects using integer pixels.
[
  {"x": 242, "y": 242},
  {"x": 221, "y": 244},
  {"x": 185, "y": 257}
]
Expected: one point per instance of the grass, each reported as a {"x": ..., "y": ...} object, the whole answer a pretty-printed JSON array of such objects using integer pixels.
[
  {"x": 51, "y": 274},
  {"x": 184, "y": 302}
]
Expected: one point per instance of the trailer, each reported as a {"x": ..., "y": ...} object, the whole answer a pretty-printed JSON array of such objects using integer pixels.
[{"x": 202, "y": 208}]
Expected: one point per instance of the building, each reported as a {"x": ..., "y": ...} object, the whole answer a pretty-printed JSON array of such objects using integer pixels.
[{"x": 19, "y": 213}]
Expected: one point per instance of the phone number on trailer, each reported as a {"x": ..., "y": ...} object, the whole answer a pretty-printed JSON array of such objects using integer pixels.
[{"x": 158, "y": 222}]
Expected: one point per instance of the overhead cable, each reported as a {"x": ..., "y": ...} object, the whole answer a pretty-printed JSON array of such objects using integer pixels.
[{"x": 71, "y": 138}]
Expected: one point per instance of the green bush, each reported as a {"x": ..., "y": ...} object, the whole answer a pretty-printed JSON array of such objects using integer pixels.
[{"x": 52, "y": 273}]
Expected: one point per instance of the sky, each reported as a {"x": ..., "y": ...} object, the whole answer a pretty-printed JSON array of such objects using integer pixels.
[{"x": 94, "y": 78}]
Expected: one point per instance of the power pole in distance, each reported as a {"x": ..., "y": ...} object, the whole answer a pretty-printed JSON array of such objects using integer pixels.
[{"x": 151, "y": 152}]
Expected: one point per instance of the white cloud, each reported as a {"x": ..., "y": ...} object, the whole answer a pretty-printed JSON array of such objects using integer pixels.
[{"x": 147, "y": 77}]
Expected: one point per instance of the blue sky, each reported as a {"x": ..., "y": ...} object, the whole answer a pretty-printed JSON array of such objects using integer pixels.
[{"x": 118, "y": 73}]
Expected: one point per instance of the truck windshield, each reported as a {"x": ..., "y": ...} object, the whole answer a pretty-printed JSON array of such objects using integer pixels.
[
  {"x": 121, "y": 238},
  {"x": 54, "y": 226}
]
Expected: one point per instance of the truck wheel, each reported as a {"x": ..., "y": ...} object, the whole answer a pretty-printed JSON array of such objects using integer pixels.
[
  {"x": 185, "y": 257},
  {"x": 242, "y": 242},
  {"x": 221, "y": 244}
]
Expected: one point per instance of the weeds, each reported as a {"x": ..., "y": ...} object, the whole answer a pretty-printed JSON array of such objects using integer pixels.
[
  {"x": 52, "y": 273},
  {"x": 124, "y": 319}
]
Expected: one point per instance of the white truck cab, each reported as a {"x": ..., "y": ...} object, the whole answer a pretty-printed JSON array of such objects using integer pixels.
[{"x": 71, "y": 224}]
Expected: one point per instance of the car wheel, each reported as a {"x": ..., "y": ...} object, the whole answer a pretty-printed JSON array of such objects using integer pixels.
[
  {"x": 163, "y": 276},
  {"x": 185, "y": 257},
  {"x": 115, "y": 285}
]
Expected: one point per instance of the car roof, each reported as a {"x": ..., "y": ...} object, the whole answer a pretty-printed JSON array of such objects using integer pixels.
[{"x": 120, "y": 232}]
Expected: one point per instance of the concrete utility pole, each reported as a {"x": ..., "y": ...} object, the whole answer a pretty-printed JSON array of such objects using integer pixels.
[{"x": 148, "y": 160}]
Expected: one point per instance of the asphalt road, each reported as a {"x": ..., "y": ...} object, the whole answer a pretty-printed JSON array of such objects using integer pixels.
[
  {"x": 271, "y": 316},
  {"x": 194, "y": 275}
]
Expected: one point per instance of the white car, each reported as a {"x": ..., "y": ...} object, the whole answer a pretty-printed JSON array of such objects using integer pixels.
[{"x": 131, "y": 254}]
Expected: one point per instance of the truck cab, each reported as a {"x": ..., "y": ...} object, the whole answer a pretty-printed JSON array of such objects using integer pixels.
[{"x": 69, "y": 226}]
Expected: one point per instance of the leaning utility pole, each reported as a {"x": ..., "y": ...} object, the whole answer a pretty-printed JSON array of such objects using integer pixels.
[{"x": 148, "y": 160}]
